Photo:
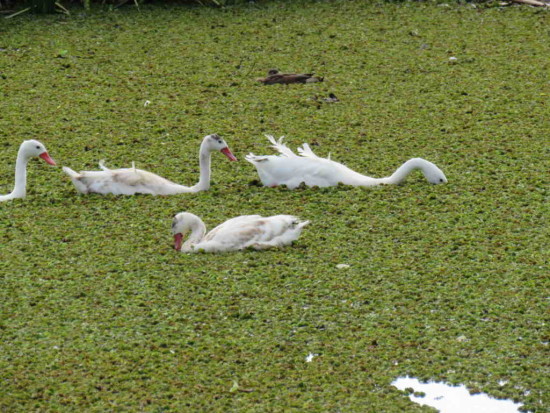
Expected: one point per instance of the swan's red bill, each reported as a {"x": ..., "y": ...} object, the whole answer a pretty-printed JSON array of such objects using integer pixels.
[
  {"x": 46, "y": 157},
  {"x": 228, "y": 153},
  {"x": 178, "y": 240}
]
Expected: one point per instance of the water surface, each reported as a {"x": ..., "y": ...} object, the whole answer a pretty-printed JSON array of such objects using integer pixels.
[{"x": 454, "y": 399}]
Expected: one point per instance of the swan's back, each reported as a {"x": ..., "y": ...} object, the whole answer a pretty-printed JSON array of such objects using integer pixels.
[
  {"x": 252, "y": 231},
  {"x": 124, "y": 181},
  {"x": 292, "y": 171}
]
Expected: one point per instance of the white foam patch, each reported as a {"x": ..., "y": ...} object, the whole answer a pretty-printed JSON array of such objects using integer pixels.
[{"x": 454, "y": 399}]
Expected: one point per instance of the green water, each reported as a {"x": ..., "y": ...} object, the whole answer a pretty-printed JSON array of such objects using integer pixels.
[{"x": 446, "y": 282}]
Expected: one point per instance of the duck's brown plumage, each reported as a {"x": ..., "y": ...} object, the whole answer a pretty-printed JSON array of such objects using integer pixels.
[{"x": 274, "y": 77}]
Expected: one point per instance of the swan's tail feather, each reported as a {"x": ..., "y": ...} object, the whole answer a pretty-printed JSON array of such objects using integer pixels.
[
  {"x": 71, "y": 173},
  {"x": 271, "y": 139},
  {"x": 306, "y": 151},
  {"x": 297, "y": 223},
  {"x": 77, "y": 179},
  {"x": 303, "y": 224},
  {"x": 280, "y": 147},
  {"x": 254, "y": 159},
  {"x": 102, "y": 165}
]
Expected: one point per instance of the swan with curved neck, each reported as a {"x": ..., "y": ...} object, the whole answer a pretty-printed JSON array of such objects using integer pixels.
[
  {"x": 27, "y": 150},
  {"x": 246, "y": 231},
  {"x": 291, "y": 170},
  {"x": 130, "y": 181}
]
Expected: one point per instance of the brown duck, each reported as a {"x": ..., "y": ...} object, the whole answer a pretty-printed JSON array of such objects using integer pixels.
[{"x": 274, "y": 76}]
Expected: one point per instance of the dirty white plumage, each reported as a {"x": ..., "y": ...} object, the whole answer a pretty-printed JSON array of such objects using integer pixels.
[
  {"x": 27, "y": 150},
  {"x": 130, "y": 181},
  {"x": 252, "y": 231},
  {"x": 291, "y": 170}
]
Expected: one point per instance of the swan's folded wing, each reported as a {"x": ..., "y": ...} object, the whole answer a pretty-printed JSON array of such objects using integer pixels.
[
  {"x": 138, "y": 177},
  {"x": 242, "y": 232},
  {"x": 125, "y": 182},
  {"x": 231, "y": 226}
]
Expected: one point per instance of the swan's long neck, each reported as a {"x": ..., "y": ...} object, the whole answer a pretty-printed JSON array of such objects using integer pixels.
[
  {"x": 198, "y": 229},
  {"x": 20, "y": 188},
  {"x": 400, "y": 174},
  {"x": 404, "y": 170},
  {"x": 204, "y": 180},
  {"x": 204, "y": 163}
]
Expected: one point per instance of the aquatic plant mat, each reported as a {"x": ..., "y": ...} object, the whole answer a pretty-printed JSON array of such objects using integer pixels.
[{"x": 446, "y": 282}]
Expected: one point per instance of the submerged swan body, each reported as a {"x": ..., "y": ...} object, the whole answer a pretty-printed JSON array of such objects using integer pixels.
[
  {"x": 130, "y": 181},
  {"x": 252, "y": 231},
  {"x": 27, "y": 150},
  {"x": 291, "y": 170}
]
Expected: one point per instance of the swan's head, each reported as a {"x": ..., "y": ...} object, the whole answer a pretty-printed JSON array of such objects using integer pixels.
[
  {"x": 435, "y": 176},
  {"x": 431, "y": 172},
  {"x": 215, "y": 142},
  {"x": 182, "y": 224},
  {"x": 33, "y": 148}
]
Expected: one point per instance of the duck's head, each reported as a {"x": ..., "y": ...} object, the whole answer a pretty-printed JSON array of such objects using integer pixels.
[
  {"x": 33, "y": 148},
  {"x": 215, "y": 142},
  {"x": 273, "y": 72}
]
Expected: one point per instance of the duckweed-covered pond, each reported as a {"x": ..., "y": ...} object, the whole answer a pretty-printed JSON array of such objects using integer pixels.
[{"x": 445, "y": 282}]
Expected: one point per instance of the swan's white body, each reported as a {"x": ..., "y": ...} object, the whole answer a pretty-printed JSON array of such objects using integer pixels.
[
  {"x": 27, "y": 150},
  {"x": 252, "y": 231},
  {"x": 291, "y": 170},
  {"x": 130, "y": 181}
]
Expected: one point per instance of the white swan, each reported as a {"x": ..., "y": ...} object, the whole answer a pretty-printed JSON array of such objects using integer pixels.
[
  {"x": 291, "y": 170},
  {"x": 130, "y": 181},
  {"x": 235, "y": 234},
  {"x": 27, "y": 150}
]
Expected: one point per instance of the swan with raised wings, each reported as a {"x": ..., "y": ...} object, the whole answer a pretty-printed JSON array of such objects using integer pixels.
[
  {"x": 291, "y": 170},
  {"x": 130, "y": 181},
  {"x": 252, "y": 231},
  {"x": 27, "y": 150}
]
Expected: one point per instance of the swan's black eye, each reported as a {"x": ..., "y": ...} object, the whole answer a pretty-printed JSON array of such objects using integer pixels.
[
  {"x": 440, "y": 179},
  {"x": 38, "y": 147}
]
